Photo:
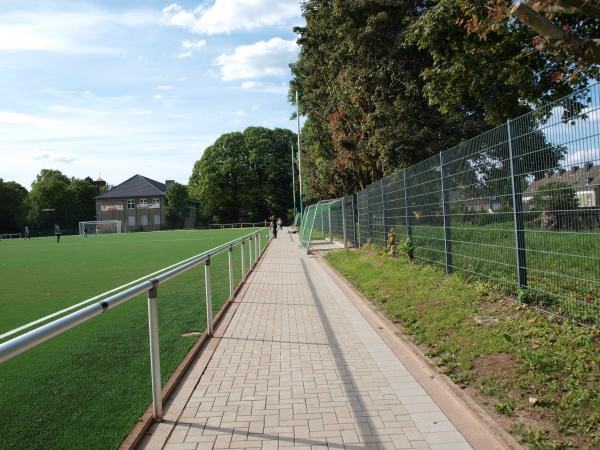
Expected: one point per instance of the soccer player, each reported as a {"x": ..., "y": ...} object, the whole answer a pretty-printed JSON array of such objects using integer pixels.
[
  {"x": 27, "y": 234},
  {"x": 57, "y": 232},
  {"x": 85, "y": 231}
]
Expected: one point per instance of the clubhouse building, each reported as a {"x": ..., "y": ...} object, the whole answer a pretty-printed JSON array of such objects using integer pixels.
[{"x": 139, "y": 203}]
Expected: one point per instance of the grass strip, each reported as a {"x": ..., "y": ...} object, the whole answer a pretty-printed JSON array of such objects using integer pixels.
[{"x": 538, "y": 376}]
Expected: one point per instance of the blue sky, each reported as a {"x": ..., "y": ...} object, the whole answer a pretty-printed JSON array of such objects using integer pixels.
[{"x": 137, "y": 86}]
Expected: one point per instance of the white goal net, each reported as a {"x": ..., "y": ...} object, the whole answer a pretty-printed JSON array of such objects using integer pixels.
[{"x": 99, "y": 227}]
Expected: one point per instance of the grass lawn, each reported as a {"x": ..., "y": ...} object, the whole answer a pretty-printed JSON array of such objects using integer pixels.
[
  {"x": 539, "y": 377},
  {"x": 87, "y": 387},
  {"x": 563, "y": 268}
]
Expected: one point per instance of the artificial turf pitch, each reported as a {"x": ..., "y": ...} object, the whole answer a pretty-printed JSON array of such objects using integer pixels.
[{"x": 87, "y": 387}]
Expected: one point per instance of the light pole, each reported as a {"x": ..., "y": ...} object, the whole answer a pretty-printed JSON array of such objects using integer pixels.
[
  {"x": 293, "y": 181},
  {"x": 299, "y": 155}
]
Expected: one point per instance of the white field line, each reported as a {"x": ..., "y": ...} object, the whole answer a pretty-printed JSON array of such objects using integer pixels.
[{"x": 99, "y": 296}]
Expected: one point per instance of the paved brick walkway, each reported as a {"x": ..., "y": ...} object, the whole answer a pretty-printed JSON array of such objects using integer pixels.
[{"x": 299, "y": 366}]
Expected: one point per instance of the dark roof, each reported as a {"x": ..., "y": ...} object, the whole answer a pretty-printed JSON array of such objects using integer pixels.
[
  {"x": 583, "y": 177},
  {"x": 136, "y": 186}
]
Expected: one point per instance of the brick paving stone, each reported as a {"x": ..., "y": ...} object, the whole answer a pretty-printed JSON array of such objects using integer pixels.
[{"x": 299, "y": 366}]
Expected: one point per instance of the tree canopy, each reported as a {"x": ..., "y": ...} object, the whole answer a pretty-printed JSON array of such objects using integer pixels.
[
  {"x": 56, "y": 198},
  {"x": 177, "y": 204},
  {"x": 13, "y": 207},
  {"x": 387, "y": 84},
  {"x": 245, "y": 176}
]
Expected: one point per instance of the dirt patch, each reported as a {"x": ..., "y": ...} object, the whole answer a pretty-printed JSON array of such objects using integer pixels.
[{"x": 497, "y": 366}]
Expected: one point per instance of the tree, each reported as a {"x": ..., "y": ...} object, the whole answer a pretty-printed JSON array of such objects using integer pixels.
[
  {"x": 50, "y": 200},
  {"x": 177, "y": 204},
  {"x": 84, "y": 193},
  {"x": 13, "y": 206},
  {"x": 579, "y": 43},
  {"x": 55, "y": 198},
  {"x": 245, "y": 176},
  {"x": 555, "y": 196},
  {"x": 361, "y": 89}
]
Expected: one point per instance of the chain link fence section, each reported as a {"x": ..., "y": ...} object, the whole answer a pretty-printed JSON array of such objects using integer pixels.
[{"x": 518, "y": 206}]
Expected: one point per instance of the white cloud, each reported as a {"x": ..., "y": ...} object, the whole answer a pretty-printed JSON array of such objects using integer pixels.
[
  {"x": 61, "y": 157},
  {"x": 582, "y": 156},
  {"x": 267, "y": 88},
  {"x": 184, "y": 55},
  {"x": 13, "y": 118},
  {"x": 66, "y": 32},
  {"x": 262, "y": 59},
  {"x": 164, "y": 87},
  {"x": 182, "y": 79},
  {"x": 158, "y": 97},
  {"x": 193, "y": 44},
  {"x": 225, "y": 16}
]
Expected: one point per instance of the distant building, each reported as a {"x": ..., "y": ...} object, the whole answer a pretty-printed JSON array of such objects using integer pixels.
[
  {"x": 139, "y": 203},
  {"x": 585, "y": 181},
  {"x": 99, "y": 182}
]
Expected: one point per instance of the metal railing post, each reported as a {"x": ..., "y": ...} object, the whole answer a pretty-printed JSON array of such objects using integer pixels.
[
  {"x": 230, "y": 265},
  {"x": 256, "y": 249},
  {"x": 259, "y": 246},
  {"x": 517, "y": 216},
  {"x": 250, "y": 260},
  {"x": 344, "y": 230},
  {"x": 243, "y": 262},
  {"x": 209, "y": 310},
  {"x": 157, "y": 406},
  {"x": 406, "y": 207},
  {"x": 329, "y": 219},
  {"x": 447, "y": 236}
]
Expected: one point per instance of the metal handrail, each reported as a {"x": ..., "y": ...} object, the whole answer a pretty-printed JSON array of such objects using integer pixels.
[{"x": 37, "y": 336}]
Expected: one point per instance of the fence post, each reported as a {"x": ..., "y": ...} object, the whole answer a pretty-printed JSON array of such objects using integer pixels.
[
  {"x": 355, "y": 219},
  {"x": 243, "y": 263},
  {"x": 209, "y": 313},
  {"x": 383, "y": 211},
  {"x": 368, "y": 215},
  {"x": 329, "y": 220},
  {"x": 230, "y": 265},
  {"x": 157, "y": 406},
  {"x": 344, "y": 231},
  {"x": 445, "y": 209},
  {"x": 517, "y": 199},
  {"x": 406, "y": 207}
]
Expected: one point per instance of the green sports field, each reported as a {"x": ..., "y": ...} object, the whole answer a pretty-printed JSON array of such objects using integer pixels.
[{"x": 87, "y": 387}]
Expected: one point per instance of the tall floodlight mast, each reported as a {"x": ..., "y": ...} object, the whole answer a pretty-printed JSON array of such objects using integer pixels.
[
  {"x": 293, "y": 180},
  {"x": 299, "y": 155}
]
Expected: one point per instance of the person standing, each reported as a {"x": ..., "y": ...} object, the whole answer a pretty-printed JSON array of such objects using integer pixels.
[
  {"x": 57, "y": 232},
  {"x": 85, "y": 231},
  {"x": 274, "y": 227},
  {"x": 27, "y": 233},
  {"x": 279, "y": 223}
]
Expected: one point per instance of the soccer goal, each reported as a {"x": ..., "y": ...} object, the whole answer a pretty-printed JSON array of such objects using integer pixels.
[{"x": 100, "y": 227}]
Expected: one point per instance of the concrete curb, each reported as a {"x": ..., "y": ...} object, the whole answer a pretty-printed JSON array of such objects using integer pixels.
[{"x": 478, "y": 427}]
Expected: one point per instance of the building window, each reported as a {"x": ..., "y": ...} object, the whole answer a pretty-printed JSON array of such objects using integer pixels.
[
  {"x": 144, "y": 220},
  {"x": 156, "y": 219},
  {"x": 130, "y": 204},
  {"x": 131, "y": 221},
  {"x": 156, "y": 201},
  {"x": 142, "y": 203}
]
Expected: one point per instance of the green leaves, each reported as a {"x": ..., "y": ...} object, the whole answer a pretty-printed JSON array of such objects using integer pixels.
[{"x": 245, "y": 176}]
